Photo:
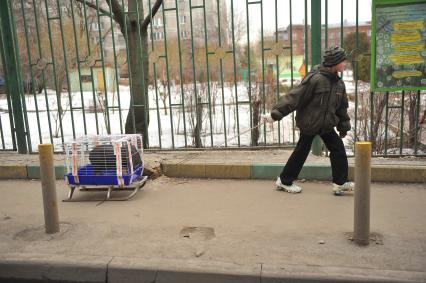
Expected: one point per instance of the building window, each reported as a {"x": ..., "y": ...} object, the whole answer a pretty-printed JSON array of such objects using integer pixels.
[
  {"x": 184, "y": 34},
  {"x": 183, "y": 20},
  {"x": 86, "y": 78},
  {"x": 157, "y": 36},
  {"x": 158, "y": 23},
  {"x": 285, "y": 36},
  {"x": 95, "y": 26}
]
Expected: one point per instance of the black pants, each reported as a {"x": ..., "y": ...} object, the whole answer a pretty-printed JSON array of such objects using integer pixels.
[{"x": 338, "y": 158}]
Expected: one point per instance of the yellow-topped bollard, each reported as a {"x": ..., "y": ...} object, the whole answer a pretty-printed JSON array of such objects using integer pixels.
[
  {"x": 48, "y": 185},
  {"x": 362, "y": 174}
]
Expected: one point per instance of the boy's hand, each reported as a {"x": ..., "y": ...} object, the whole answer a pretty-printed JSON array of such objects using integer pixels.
[
  {"x": 342, "y": 134},
  {"x": 266, "y": 118}
]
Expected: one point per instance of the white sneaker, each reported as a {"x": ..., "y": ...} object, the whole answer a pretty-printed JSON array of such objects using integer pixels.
[
  {"x": 294, "y": 189},
  {"x": 346, "y": 187}
]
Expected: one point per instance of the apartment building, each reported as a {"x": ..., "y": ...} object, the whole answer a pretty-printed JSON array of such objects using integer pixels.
[
  {"x": 176, "y": 22},
  {"x": 333, "y": 34},
  {"x": 334, "y": 31}
]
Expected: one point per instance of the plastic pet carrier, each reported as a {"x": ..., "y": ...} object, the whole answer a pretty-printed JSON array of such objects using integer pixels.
[{"x": 108, "y": 163}]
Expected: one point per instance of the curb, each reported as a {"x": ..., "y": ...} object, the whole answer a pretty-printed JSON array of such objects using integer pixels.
[
  {"x": 94, "y": 269},
  {"x": 56, "y": 268},
  {"x": 33, "y": 172},
  {"x": 13, "y": 172},
  {"x": 317, "y": 172}
]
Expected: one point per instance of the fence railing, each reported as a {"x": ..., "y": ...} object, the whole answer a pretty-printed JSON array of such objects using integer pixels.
[{"x": 186, "y": 74}]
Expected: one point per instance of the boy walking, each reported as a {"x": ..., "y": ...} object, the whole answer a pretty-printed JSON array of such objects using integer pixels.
[{"x": 321, "y": 104}]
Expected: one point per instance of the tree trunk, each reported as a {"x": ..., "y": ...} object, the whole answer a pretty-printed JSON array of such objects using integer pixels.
[
  {"x": 256, "y": 119},
  {"x": 412, "y": 119},
  {"x": 198, "y": 125},
  {"x": 163, "y": 99},
  {"x": 380, "y": 104},
  {"x": 138, "y": 117},
  {"x": 58, "y": 121}
]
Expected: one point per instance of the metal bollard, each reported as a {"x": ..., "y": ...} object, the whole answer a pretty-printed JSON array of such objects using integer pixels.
[
  {"x": 48, "y": 184},
  {"x": 362, "y": 172}
]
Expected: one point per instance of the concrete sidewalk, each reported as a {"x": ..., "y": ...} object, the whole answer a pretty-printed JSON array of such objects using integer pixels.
[
  {"x": 192, "y": 230},
  {"x": 234, "y": 164}
]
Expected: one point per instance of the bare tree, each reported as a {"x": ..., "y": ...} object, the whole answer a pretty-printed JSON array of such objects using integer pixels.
[
  {"x": 372, "y": 122},
  {"x": 164, "y": 94},
  {"x": 414, "y": 107},
  {"x": 134, "y": 27},
  {"x": 40, "y": 42},
  {"x": 237, "y": 26}
]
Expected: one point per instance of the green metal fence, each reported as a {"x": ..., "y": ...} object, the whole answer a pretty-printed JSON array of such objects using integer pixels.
[{"x": 185, "y": 73}]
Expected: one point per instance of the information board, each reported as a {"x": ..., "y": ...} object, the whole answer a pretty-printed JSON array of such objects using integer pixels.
[{"x": 398, "y": 45}]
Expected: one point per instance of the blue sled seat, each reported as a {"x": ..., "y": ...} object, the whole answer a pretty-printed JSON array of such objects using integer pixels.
[{"x": 87, "y": 176}]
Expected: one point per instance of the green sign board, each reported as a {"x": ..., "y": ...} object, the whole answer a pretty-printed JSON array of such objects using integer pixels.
[{"x": 398, "y": 45}]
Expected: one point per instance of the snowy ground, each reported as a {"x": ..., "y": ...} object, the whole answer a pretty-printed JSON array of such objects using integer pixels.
[
  {"x": 219, "y": 124},
  {"x": 91, "y": 122}
]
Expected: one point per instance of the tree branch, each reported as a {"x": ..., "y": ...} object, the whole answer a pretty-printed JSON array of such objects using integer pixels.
[
  {"x": 93, "y": 6},
  {"x": 117, "y": 15},
  {"x": 154, "y": 11},
  {"x": 117, "y": 12}
]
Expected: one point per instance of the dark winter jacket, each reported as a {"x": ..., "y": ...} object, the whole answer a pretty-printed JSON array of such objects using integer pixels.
[{"x": 320, "y": 102}]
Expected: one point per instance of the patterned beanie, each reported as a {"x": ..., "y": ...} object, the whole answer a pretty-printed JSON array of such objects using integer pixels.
[{"x": 333, "y": 55}]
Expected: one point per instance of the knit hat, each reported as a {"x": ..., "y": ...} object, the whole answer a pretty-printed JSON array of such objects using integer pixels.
[{"x": 333, "y": 55}]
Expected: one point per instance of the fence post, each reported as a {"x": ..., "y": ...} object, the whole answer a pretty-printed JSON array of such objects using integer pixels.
[
  {"x": 316, "y": 55},
  {"x": 13, "y": 72},
  {"x": 362, "y": 193}
]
